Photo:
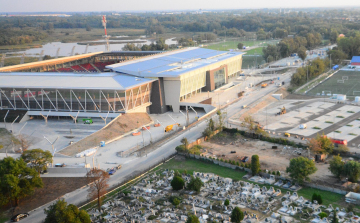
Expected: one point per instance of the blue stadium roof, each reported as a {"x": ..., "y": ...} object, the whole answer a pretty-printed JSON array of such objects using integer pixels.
[
  {"x": 173, "y": 63},
  {"x": 355, "y": 59}
]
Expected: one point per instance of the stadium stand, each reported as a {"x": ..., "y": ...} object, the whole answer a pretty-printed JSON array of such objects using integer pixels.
[
  {"x": 65, "y": 70},
  {"x": 89, "y": 67},
  {"x": 101, "y": 65},
  {"x": 78, "y": 68}
]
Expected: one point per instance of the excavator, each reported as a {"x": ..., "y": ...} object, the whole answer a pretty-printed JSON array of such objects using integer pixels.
[
  {"x": 170, "y": 127},
  {"x": 282, "y": 111}
]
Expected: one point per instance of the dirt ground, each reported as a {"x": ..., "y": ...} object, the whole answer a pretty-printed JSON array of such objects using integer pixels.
[
  {"x": 122, "y": 124},
  {"x": 270, "y": 159},
  {"x": 54, "y": 187}
]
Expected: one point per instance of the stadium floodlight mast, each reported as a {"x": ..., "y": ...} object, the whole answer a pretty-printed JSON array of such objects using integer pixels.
[
  {"x": 46, "y": 117},
  {"x": 104, "y": 118},
  {"x": 12, "y": 128},
  {"x": 5, "y": 117},
  {"x": 53, "y": 149},
  {"x": 75, "y": 118}
]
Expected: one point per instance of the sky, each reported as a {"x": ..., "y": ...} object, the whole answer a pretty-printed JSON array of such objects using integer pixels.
[{"x": 159, "y": 5}]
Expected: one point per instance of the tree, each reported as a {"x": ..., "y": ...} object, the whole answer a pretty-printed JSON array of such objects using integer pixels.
[
  {"x": 221, "y": 120},
  {"x": 226, "y": 202},
  {"x": 321, "y": 144},
  {"x": 176, "y": 201},
  {"x": 237, "y": 215},
  {"x": 60, "y": 212},
  {"x": 240, "y": 46},
  {"x": 177, "y": 183},
  {"x": 302, "y": 53},
  {"x": 255, "y": 165},
  {"x": 99, "y": 185},
  {"x": 17, "y": 180},
  {"x": 314, "y": 197},
  {"x": 185, "y": 142},
  {"x": 335, "y": 219},
  {"x": 192, "y": 219},
  {"x": 336, "y": 166},
  {"x": 337, "y": 56},
  {"x": 195, "y": 184},
  {"x": 38, "y": 159},
  {"x": 320, "y": 201},
  {"x": 341, "y": 149},
  {"x": 24, "y": 143},
  {"x": 352, "y": 170},
  {"x": 88, "y": 28},
  {"x": 300, "y": 168}
]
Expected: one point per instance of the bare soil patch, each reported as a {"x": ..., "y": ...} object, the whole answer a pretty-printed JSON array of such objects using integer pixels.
[
  {"x": 54, "y": 187},
  {"x": 123, "y": 124},
  {"x": 270, "y": 159}
]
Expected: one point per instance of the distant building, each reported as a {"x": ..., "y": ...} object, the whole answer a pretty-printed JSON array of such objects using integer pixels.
[{"x": 355, "y": 61}]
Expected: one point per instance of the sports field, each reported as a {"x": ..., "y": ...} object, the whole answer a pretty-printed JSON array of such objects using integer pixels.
[
  {"x": 343, "y": 82},
  {"x": 232, "y": 44}
]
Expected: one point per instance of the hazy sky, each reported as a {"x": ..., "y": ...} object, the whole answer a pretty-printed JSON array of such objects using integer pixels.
[{"x": 151, "y": 5}]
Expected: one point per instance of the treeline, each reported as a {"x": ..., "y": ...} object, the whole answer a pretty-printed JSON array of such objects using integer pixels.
[
  {"x": 158, "y": 46},
  {"x": 16, "y": 37},
  {"x": 308, "y": 72},
  {"x": 289, "y": 45}
]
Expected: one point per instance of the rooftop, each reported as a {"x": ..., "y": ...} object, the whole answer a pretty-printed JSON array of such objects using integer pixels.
[
  {"x": 355, "y": 59},
  {"x": 172, "y": 64},
  {"x": 103, "y": 81}
]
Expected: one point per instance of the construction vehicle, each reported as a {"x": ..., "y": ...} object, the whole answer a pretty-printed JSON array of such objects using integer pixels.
[
  {"x": 287, "y": 134},
  {"x": 282, "y": 111},
  {"x": 170, "y": 127},
  {"x": 87, "y": 120},
  {"x": 264, "y": 85}
]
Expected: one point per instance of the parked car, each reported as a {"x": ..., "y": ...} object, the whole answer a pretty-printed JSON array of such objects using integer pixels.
[
  {"x": 245, "y": 159},
  {"x": 112, "y": 171},
  {"x": 118, "y": 167},
  {"x": 18, "y": 217},
  {"x": 60, "y": 165}
]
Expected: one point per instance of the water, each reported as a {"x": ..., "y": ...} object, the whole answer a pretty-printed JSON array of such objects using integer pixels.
[{"x": 65, "y": 48}]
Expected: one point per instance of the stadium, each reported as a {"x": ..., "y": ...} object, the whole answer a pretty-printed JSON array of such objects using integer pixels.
[{"x": 111, "y": 83}]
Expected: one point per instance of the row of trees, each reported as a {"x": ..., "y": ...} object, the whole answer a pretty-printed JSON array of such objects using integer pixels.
[
  {"x": 349, "y": 169},
  {"x": 310, "y": 71},
  {"x": 178, "y": 183},
  {"x": 16, "y": 37},
  {"x": 159, "y": 45},
  {"x": 289, "y": 45}
]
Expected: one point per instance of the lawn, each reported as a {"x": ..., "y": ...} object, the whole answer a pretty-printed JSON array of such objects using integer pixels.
[
  {"x": 255, "y": 51},
  {"x": 232, "y": 44},
  {"x": 327, "y": 197},
  {"x": 191, "y": 165}
]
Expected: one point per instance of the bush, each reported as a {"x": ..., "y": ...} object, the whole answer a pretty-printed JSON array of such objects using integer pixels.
[
  {"x": 226, "y": 202},
  {"x": 177, "y": 183},
  {"x": 181, "y": 149},
  {"x": 323, "y": 215}
]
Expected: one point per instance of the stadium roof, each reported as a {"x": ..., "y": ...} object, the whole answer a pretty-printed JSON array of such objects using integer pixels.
[
  {"x": 355, "y": 60},
  {"x": 101, "y": 81},
  {"x": 172, "y": 64}
]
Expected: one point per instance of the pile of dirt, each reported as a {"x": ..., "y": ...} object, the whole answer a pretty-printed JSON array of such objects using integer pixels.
[
  {"x": 121, "y": 125},
  {"x": 54, "y": 187}
]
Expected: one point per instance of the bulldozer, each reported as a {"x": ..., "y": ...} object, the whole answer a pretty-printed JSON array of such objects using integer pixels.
[
  {"x": 170, "y": 127},
  {"x": 282, "y": 111}
]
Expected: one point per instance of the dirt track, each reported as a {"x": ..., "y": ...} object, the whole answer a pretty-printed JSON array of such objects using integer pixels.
[{"x": 122, "y": 125}]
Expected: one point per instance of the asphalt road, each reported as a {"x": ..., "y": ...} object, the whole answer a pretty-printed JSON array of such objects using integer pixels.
[{"x": 141, "y": 163}]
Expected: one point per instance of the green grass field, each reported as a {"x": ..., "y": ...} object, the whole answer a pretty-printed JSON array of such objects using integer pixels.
[
  {"x": 232, "y": 44},
  {"x": 255, "y": 51},
  {"x": 351, "y": 84}
]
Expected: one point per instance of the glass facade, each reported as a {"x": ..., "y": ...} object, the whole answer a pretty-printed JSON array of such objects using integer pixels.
[
  {"x": 75, "y": 100},
  {"x": 219, "y": 78}
]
